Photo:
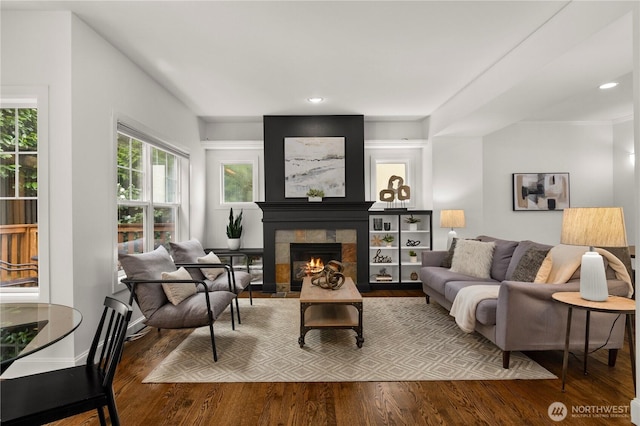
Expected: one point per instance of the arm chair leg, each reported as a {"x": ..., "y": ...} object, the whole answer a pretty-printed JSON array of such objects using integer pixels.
[{"x": 213, "y": 341}]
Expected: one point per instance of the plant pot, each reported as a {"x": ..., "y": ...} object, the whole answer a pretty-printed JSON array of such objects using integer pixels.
[
  {"x": 413, "y": 227},
  {"x": 413, "y": 259},
  {"x": 233, "y": 243},
  {"x": 389, "y": 244},
  {"x": 315, "y": 199}
]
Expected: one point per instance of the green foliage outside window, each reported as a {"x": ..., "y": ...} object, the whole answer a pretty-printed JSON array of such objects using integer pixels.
[
  {"x": 238, "y": 183},
  {"x": 19, "y": 152}
]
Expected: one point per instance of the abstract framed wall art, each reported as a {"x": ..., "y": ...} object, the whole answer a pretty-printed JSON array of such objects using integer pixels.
[
  {"x": 540, "y": 191},
  {"x": 314, "y": 163}
]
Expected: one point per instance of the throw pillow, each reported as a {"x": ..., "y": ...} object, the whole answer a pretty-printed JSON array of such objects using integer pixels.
[
  {"x": 211, "y": 273},
  {"x": 529, "y": 264},
  {"x": 446, "y": 262},
  {"x": 188, "y": 252},
  {"x": 473, "y": 258},
  {"x": 177, "y": 292},
  {"x": 148, "y": 266}
]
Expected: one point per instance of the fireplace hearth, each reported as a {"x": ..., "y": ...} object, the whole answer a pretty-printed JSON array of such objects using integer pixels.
[{"x": 302, "y": 254}]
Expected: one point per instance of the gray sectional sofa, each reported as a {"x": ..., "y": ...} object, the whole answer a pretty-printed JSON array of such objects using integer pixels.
[{"x": 524, "y": 317}]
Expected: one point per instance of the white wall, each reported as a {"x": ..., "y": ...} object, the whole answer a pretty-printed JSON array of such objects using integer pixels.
[
  {"x": 89, "y": 81},
  {"x": 623, "y": 175},
  {"x": 457, "y": 184},
  {"x": 585, "y": 151}
]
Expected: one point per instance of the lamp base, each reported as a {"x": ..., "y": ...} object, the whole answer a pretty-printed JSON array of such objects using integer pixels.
[
  {"x": 593, "y": 281},
  {"x": 452, "y": 234}
]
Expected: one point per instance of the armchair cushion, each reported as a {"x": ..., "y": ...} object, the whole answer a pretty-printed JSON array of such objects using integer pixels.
[
  {"x": 189, "y": 252},
  {"x": 177, "y": 292},
  {"x": 243, "y": 279},
  {"x": 211, "y": 273},
  {"x": 192, "y": 312},
  {"x": 148, "y": 266}
]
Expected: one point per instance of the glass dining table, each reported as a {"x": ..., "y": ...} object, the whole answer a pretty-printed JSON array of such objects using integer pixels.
[{"x": 26, "y": 328}]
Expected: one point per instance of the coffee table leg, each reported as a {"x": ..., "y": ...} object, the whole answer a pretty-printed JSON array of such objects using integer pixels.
[
  {"x": 303, "y": 329},
  {"x": 359, "y": 337},
  {"x": 565, "y": 359}
]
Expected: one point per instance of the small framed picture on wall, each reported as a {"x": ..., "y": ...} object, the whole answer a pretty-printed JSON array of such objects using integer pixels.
[{"x": 540, "y": 191}]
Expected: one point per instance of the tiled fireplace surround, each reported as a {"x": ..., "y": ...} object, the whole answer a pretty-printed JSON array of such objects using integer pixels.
[{"x": 284, "y": 238}]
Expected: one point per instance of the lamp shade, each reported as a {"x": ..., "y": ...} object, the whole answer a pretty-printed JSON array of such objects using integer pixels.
[
  {"x": 452, "y": 219},
  {"x": 594, "y": 227}
]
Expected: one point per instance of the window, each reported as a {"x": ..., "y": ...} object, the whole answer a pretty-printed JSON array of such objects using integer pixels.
[
  {"x": 148, "y": 173},
  {"x": 23, "y": 152},
  {"x": 238, "y": 182}
]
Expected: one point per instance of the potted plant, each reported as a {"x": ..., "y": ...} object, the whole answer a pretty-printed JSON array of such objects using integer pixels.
[
  {"x": 413, "y": 222},
  {"x": 388, "y": 239},
  {"x": 413, "y": 256},
  {"x": 234, "y": 230},
  {"x": 315, "y": 194}
]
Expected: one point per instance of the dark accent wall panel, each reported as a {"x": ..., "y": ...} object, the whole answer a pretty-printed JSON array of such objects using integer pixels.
[{"x": 279, "y": 127}]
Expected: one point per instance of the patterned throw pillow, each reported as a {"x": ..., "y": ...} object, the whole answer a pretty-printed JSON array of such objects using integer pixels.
[
  {"x": 177, "y": 292},
  {"x": 211, "y": 273},
  {"x": 473, "y": 258},
  {"x": 529, "y": 264}
]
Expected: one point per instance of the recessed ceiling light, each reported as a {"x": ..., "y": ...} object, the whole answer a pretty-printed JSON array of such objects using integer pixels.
[
  {"x": 315, "y": 100},
  {"x": 608, "y": 85}
]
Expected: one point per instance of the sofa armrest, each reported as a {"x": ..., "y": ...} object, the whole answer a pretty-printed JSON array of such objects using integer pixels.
[
  {"x": 433, "y": 258},
  {"x": 527, "y": 318}
]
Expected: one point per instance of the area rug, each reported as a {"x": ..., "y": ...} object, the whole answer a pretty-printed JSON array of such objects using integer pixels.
[{"x": 405, "y": 340}]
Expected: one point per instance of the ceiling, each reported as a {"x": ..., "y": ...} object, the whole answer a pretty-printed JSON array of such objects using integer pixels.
[{"x": 463, "y": 68}]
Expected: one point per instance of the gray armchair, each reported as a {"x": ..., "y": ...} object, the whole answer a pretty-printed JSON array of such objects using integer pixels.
[
  {"x": 191, "y": 255},
  {"x": 169, "y": 301}
]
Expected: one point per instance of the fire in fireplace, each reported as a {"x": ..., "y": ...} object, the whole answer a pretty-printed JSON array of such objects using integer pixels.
[{"x": 309, "y": 258}]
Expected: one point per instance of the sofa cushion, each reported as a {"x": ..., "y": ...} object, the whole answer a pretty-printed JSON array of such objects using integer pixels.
[
  {"x": 192, "y": 312},
  {"x": 189, "y": 252},
  {"x": 501, "y": 256},
  {"x": 522, "y": 248},
  {"x": 529, "y": 265},
  {"x": 473, "y": 258},
  {"x": 243, "y": 279},
  {"x": 486, "y": 309},
  {"x": 436, "y": 277},
  {"x": 148, "y": 266}
]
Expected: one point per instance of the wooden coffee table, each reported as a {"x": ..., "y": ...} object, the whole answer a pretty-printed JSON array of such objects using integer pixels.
[{"x": 324, "y": 308}]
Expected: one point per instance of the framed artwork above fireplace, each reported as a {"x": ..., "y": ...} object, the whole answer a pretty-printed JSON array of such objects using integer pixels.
[{"x": 314, "y": 163}]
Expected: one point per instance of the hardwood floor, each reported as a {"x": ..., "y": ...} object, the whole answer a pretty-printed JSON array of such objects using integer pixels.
[{"x": 523, "y": 402}]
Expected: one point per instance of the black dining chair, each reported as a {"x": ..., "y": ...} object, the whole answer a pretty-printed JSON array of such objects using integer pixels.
[{"x": 54, "y": 395}]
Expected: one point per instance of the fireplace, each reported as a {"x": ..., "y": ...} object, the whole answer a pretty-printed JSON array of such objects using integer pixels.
[{"x": 307, "y": 259}]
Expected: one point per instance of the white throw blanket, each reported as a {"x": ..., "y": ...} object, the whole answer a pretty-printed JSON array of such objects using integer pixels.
[{"x": 466, "y": 301}]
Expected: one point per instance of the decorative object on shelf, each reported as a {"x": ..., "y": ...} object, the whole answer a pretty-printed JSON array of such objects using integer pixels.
[
  {"x": 380, "y": 258},
  {"x": 413, "y": 222},
  {"x": 315, "y": 195},
  {"x": 414, "y": 276},
  {"x": 413, "y": 256},
  {"x": 593, "y": 226},
  {"x": 234, "y": 230},
  {"x": 402, "y": 192},
  {"x": 387, "y": 226},
  {"x": 452, "y": 219},
  {"x": 377, "y": 224},
  {"x": 412, "y": 243},
  {"x": 376, "y": 241},
  {"x": 383, "y": 275},
  {"x": 388, "y": 239},
  {"x": 331, "y": 277},
  {"x": 540, "y": 191}
]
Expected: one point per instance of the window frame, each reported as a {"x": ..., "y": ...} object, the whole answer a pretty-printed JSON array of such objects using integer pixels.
[
  {"x": 254, "y": 188},
  {"x": 410, "y": 178},
  {"x": 12, "y": 97},
  {"x": 150, "y": 142}
]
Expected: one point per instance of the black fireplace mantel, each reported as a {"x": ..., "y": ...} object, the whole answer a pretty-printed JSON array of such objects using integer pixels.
[{"x": 304, "y": 211}]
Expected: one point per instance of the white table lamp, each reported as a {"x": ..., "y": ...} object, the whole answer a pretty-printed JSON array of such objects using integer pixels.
[
  {"x": 593, "y": 227},
  {"x": 452, "y": 219}
]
